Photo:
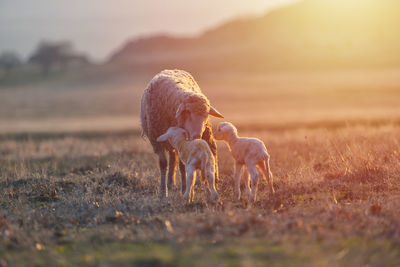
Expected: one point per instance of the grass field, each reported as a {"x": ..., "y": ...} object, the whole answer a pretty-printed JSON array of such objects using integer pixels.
[{"x": 78, "y": 184}]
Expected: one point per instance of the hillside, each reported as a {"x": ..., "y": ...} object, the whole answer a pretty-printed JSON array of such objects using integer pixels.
[{"x": 310, "y": 34}]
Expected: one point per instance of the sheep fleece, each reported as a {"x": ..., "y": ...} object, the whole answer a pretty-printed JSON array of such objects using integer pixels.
[{"x": 160, "y": 101}]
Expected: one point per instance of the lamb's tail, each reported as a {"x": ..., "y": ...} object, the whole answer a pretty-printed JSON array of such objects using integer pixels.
[
  {"x": 267, "y": 169},
  {"x": 268, "y": 174}
]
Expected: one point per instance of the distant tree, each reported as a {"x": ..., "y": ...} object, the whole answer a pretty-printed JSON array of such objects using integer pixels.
[
  {"x": 9, "y": 60},
  {"x": 49, "y": 54}
]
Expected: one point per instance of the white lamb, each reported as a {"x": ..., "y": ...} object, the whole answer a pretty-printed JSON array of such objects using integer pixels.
[
  {"x": 196, "y": 155},
  {"x": 250, "y": 152}
]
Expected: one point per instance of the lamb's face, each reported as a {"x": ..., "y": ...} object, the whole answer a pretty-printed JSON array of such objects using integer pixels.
[
  {"x": 223, "y": 130},
  {"x": 173, "y": 135},
  {"x": 177, "y": 134}
]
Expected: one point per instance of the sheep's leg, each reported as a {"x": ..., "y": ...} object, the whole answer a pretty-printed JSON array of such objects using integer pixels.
[
  {"x": 183, "y": 176},
  {"x": 254, "y": 181},
  {"x": 246, "y": 182},
  {"x": 264, "y": 166},
  {"x": 209, "y": 138},
  {"x": 236, "y": 182},
  {"x": 189, "y": 179},
  {"x": 210, "y": 179},
  {"x": 162, "y": 161},
  {"x": 172, "y": 169}
]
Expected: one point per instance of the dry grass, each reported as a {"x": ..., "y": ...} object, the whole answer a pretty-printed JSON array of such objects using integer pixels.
[{"x": 92, "y": 199}]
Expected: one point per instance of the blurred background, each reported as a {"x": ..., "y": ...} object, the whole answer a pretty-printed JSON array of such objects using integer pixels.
[{"x": 272, "y": 64}]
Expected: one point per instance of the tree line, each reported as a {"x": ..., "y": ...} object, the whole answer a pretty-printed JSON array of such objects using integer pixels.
[{"x": 47, "y": 56}]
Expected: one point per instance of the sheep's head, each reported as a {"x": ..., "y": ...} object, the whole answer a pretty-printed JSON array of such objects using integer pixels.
[
  {"x": 193, "y": 115},
  {"x": 225, "y": 130},
  {"x": 173, "y": 135}
]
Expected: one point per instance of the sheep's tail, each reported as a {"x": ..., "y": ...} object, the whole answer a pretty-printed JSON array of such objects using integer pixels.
[
  {"x": 143, "y": 118},
  {"x": 143, "y": 135}
]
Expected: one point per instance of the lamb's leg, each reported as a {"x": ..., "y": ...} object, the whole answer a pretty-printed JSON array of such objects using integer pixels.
[
  {"x": 190, "y": 175},
  {"x": 246, "y": 181},
  {"x": 236, "y": 182},
  {"x": 209, "y": 173},
  {"x": 205, "y": 183},
  {"x": 264, "y": 166},
  {"x": 216, "y": 173},
  {"x": 183, "y": 176},
  {"x": 192, "y": 186},
  {"x": 172, "y": 169},
  {"x": 162, "y": 161},
  {"x": 254, "y": 181}
]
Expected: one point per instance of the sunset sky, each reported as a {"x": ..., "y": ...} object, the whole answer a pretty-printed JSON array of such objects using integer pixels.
[{"x": 97, "y": 27}]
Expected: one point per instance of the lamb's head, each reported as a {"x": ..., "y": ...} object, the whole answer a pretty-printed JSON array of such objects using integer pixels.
[
  {"x": 173, "y": 135},
  {"x": 192, "y": 115},
  {"x": 225, "y": 131}
]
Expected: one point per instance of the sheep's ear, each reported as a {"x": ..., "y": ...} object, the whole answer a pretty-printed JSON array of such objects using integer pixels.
[
  {"x": 179, "y": 111},
  {"x": 163, "y": 137},
  {"x": 214, "y": 112}
]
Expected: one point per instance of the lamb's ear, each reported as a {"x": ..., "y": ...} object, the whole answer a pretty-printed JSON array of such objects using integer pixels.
[
  {"x": 214, "y": 112},
  {"x": 163, "y": 137}
]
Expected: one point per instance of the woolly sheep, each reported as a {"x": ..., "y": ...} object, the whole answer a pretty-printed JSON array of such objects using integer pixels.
[
  {"x": 196, "y": 155},
  {"x": 173, "y": 98},
  {"x": 247, "y": 152}
]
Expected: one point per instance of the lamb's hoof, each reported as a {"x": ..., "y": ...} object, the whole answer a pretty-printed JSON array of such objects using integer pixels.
[
  {"x": 186, "y": 198},
  {"x": 213, "y": 198}
]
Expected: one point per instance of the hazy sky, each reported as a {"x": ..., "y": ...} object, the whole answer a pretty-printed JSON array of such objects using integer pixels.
[{"x": 98, "y": 27}]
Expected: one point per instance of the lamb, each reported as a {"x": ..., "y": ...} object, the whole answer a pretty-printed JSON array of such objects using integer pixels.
[
  {"x": 196, "y": 155},
  {"x": 248, "y": 152},
  {"x": 173, "y": 98}
]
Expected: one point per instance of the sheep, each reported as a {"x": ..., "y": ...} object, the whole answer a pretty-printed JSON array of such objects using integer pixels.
[
  {"x": 247, "y": 152},
  {"x": 196, "y": 155},
  {"x": 173, "y": 98}
]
